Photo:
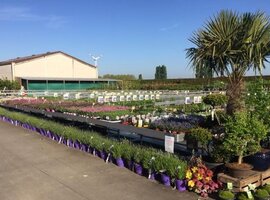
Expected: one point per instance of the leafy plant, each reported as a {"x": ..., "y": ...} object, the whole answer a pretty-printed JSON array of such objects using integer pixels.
[
  {"x": 202, "y": 135},
  {"x": 261, "y": 193},
  {"x": 243, "y": 135},
  {"x": 215, "y": 100},
  {"x": 226, "y": 195},
  {"x": 243, "y": 196}
]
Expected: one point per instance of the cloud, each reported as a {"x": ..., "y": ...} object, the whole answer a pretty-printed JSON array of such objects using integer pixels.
[
  {"x": 25, "y": 14},
  {"x": 167, "y": 28}
]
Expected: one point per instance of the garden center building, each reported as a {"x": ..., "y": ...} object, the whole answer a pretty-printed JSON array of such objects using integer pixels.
[{"x": 52, "y": 71}]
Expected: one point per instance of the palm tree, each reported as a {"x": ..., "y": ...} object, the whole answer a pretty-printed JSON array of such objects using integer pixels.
[{"x": 231, "y": 44}]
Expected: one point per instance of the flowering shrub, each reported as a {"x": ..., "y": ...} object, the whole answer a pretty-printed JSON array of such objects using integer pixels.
[{"x": 199, "y": 178}]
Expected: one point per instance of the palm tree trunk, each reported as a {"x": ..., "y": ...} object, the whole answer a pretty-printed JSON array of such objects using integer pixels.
[{"x": 234, "y": 92}]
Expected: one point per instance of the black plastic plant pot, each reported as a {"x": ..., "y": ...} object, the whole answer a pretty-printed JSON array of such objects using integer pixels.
[{"x": 260, "y": 161}]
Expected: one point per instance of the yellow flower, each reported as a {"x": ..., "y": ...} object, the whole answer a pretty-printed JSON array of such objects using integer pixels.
[
  {"x": 200, "y": 177},
  {"x": 188, "y": 174},
  {"x": 194, "y": 169},
  {"x": 208, "y": 178},
  {"x": 191, "y": 183}
]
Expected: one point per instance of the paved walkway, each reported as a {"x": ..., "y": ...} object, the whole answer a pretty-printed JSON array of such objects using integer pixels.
[{"x": 36, "y": 168}]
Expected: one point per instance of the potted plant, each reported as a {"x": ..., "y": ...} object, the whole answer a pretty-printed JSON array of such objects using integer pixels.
[
  {"x": 226, "y": 195},
  {"x": 243, "y": 135},
  {"x": 261, "y": 194},
  {"x": 180, "y": 181},
  {"x": 243, "y": 196},
  {"x": 117, "y": 152},
  {"x": 199, "y": 135},
  {"x": 267, "y": 188},
  {"x": 138, "y": 157},
  {"x": 200, "y": 178}
]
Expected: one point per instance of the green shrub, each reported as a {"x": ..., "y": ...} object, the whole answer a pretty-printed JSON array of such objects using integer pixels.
[
  {"x": 267, "y": 188},
  {"x": 202, "y": 135},
  {"x": 215, "y": 100}
]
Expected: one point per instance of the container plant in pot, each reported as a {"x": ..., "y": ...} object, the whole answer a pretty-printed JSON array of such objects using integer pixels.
[
  {"x": 261, "y": 194},
  {"x": 244, "y": 196},
  {"x": 137, "y": 158},
  {"x": 226, "y": 195},
  {"x": 200, "y": 178},
  {"x": 117, "y": 152},
  {"x": 200, "y": 136},
  {"x": 128, "y": 152},
  {"x": 148, "y": 162},
  {"x": 243, "y": 133},
  {"x": 180, "y": 181}
]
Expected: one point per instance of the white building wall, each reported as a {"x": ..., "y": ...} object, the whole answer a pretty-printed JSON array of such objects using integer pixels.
[
  {"x": 54, "y": 66},
  {"x": 6, "y": 72}
]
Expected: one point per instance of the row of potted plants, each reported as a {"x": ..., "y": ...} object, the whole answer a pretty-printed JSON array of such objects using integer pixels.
[{"x": 144, "y": 161}]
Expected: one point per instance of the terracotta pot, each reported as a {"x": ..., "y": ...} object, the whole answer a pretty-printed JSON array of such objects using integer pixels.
[{"x": 239, "y": 170}]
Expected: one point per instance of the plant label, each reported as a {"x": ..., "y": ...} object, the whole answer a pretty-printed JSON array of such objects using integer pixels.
[
  {"x": 249, "y": 194},
  {"x": 92, "y": 96},
  {"x": 157, "y": 97},
  {"x": 169, "y": 144},
  {"x": 146, "y": 97},
  {"x": 152, "y": 97},
  {"x": 229, "y": 186},
  {"x": 140, "y": 123},
  {"x": 141, "y": 97}
]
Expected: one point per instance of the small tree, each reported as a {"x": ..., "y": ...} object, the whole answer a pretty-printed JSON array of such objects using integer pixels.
[
  {"x": 140, "y": 77},
  {"x": 243, "y": 135},
  {"x": 215, "y": 100},
  {"x": 161, "y": 72}
]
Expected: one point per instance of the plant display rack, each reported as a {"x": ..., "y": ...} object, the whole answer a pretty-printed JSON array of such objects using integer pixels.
[{"x": 240, "y": 184}]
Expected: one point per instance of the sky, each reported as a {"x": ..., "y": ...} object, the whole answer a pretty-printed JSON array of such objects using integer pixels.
[{"x": 133, "y": 36}]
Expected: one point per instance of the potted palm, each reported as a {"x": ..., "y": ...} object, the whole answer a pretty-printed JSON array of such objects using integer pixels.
[{"x": 243, "y": 135}]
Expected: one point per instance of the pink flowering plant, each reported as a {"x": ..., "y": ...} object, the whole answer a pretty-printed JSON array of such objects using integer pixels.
[{"x": 200, "y": 178}]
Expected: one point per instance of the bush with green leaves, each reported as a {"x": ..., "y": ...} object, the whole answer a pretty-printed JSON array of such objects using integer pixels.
[
  {"x": 243, "y": 135},
  {"x": 215, "y": 100},
  {"x": 201, "y": 135},
  {"x": 267, "y": 188}
]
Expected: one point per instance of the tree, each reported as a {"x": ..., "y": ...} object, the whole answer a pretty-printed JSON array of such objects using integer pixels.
[
  {"x": 161, "y": 72},
  {"x": 140, "y": 77},
  {"x": 231, "y": 44}
]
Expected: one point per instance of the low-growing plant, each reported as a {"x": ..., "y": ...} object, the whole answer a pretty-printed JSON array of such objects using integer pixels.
[
  {"x": 261, "y": 194},
  {"x": 243, "y": 196},
  {"x": 226, "y": 195}
]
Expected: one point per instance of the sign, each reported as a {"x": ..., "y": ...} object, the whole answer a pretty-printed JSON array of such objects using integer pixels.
[
  {"x": 146, "y": 97},
  {"x": 128, "y": 98},
  {"x": 106, "y": 99},
  {"x": 100, "y": 99},
  {"x": 187, "y": 100},
  {"x": 169, "y": 144},
  {"x": 134, "y": 98},
  {"x": 66, "y": 96},
  {"x": 92, "y": 96},
  {"x": 157, "y": 96},
  {"x": 152, "y": 97},
  {"x": 114, "y": 98},
  {"x": 55, "y": 94},
  {"x": 141, "y": 97},
  {"x": 122, "y": 98}
]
